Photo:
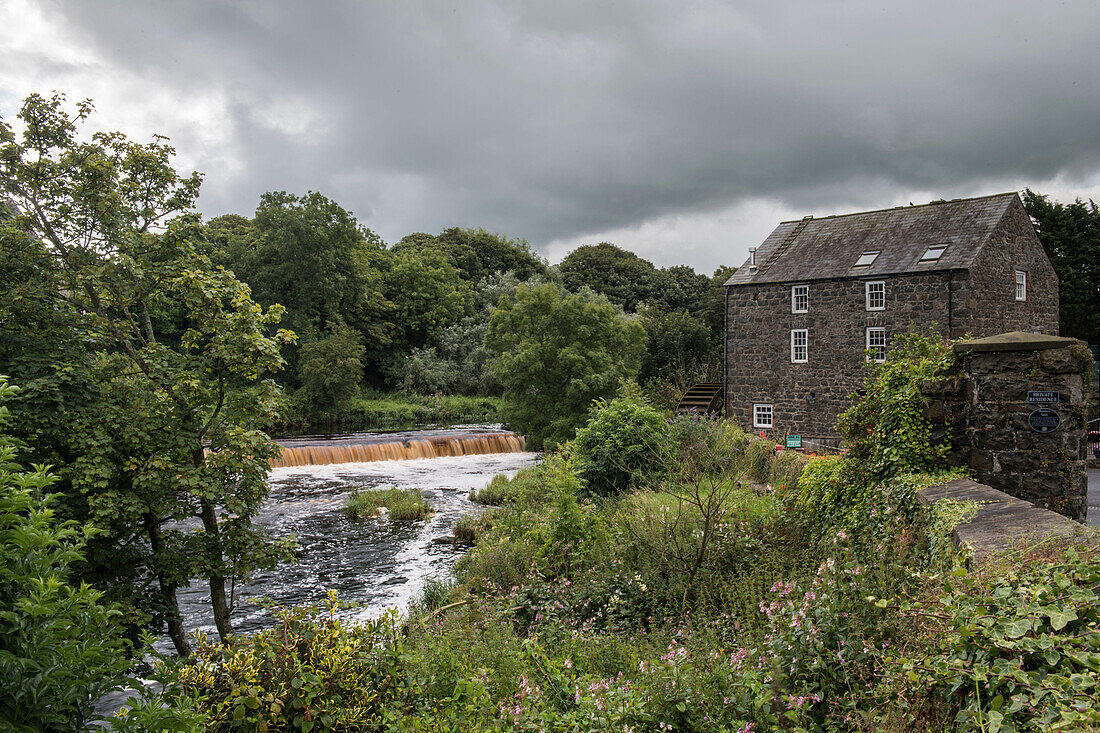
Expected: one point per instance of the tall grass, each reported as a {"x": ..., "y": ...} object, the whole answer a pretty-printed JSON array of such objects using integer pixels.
[{"x": 401, "y": 505}]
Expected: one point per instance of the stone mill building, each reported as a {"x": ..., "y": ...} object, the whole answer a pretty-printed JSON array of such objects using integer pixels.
[{"x": 821, "y": 297}]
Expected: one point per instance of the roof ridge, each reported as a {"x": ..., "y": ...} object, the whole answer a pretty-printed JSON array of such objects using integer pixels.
[{"x": 938, "y": 202}]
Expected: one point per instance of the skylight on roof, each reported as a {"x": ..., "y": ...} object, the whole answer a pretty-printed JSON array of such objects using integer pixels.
[
  {"x": 867, "y": 258},
  {"x": 933, "y": 253}
]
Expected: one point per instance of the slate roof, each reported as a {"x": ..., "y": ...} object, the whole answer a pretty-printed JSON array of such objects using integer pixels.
[{"x": 828, "y": 247}]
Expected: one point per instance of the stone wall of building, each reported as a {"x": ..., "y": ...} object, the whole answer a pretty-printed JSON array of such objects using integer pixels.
[
  {"x": 807, "y": 397},
  {"x": 989, "y": 412},
  {"x": 991, "y": 294}
]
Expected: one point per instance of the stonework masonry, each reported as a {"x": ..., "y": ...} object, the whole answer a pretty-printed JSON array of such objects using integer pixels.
[
  {"x": 984, "y": 413},
  {"x": 806, "y": 398}
]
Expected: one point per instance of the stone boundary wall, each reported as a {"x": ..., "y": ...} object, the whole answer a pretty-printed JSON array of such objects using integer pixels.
[
  {"x": 1002, "y": 522},
  {"x": 1015, "y": 417}
]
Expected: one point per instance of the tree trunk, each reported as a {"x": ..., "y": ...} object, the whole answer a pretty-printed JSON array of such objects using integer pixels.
[
  {"x": 167, "y": 590},
  {"x": 217, "y": 580}
]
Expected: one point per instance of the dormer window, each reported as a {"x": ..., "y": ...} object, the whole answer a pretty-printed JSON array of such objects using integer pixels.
[
  {"x": 933, "y": 253},
  {"x": 867, "y": 258}
]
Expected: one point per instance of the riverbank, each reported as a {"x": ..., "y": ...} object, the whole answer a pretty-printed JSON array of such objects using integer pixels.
[{"x": 388, "y": 411}]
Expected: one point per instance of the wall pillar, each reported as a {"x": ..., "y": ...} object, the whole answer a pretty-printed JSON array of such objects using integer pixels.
[{"x": 1017, "y": 417}]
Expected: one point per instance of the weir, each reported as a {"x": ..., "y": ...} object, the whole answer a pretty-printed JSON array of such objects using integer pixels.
[{"x": 441, "y": 446}]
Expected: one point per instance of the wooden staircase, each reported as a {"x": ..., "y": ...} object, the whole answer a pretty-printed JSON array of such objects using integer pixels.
[{"x": 704, "y": 398}]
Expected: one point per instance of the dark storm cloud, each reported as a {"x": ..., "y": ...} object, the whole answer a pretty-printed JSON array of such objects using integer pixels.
[{"x": 555, "y": 119}]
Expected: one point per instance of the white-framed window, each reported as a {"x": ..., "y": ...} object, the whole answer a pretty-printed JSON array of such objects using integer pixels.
[
  {"x": 933, "y": 253},
  {"x": 865, "y": 259},
  {"x": 876, "y": 295},
  {"x": 800, "y": 298},
  {"x": 800, "y": 346},
  {"x": 876, "y": 344},
  {"x": 761, "y": 416},
  {"x": 1021, "y": 285}
]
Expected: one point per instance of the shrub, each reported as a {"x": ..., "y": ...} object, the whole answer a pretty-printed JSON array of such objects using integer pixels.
[
  {"x": 620, "y": 445},
  {"x": 311, "y": 671},
  {"x": 759, "y": 454},
  {"x": 61, "y": 648},
  {"x": 400, "y": 504},
  {"x": 1019, "y": 651},
  {"x": 885, "y": 431},
  {"x": 469, "y": 527},
  {"x": 700, "y": 444},
  {"x": 786, "y": 467}
]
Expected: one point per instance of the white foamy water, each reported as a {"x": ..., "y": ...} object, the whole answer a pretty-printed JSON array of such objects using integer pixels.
[{"x": 377, "y": 563}]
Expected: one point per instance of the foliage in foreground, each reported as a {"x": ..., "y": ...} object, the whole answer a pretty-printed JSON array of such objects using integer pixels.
[
  {"x": 311, "y": 671},
  {"x": 60, "y": 646}
]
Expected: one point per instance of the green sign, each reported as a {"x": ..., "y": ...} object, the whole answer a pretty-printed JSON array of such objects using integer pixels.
[{"x": 794, "y": 441}]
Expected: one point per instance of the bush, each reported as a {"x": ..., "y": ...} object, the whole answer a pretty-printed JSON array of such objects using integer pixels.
[
  {"x": 400, "y": 504},
  {"x": 885, "y": 431},
  {"x": 311, "y": 671},
  {"x": 61, "y": 648},
  {"x": 620, "y": 445},
  {"x": 759, "y": 454},
  {"x": 469, "y": 527},
  {"x": 700, "y": 444},
  {"x": 528, "y": 488},
  {"x": 786, "y": 468}
]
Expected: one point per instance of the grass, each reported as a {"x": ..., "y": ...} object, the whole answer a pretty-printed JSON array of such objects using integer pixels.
[
  {"x": 470, "y": 527},
  {"x": 402, "y": 505}
]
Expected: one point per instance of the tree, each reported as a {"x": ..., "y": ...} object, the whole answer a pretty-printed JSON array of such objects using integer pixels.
[
  {"x": 478, "y": 254},
  {"x": 60, "y": 646},
  {"x": 178, "y": 350},
  {"x": 622, "y": 277},
  {"x": 428, "y": 295},
  {"x": 680, "y": 288},
  {"x": 675, "y": 341},
  {"x": 1070, "y": 234},
  {"x": 555, "y": 353},
  {"x": 331, "y": 368},
  {"x": 309, "y": 255}
]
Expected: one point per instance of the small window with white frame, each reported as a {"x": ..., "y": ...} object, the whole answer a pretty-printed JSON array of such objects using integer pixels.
[
  {"x": 876, "y": 295},
  {"x": 761, "y": 416},
  {"x": 876, "y": 344},
  {"x": 800, "y": 298},
  {"x": 1021, "y": 285},
  {"x": 800, "y": 346}
]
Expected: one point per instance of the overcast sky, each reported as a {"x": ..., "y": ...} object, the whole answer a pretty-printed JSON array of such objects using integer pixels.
[{"x": 682, "y": 130}]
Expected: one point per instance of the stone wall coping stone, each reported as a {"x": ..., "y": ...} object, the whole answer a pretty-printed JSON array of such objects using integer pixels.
[
  {"x": 1014, "y": 341},
  {"x": 1002, "y": 521}
]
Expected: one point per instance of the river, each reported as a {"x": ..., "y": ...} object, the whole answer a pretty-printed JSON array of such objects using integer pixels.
[{"x": 377, "y": 563}]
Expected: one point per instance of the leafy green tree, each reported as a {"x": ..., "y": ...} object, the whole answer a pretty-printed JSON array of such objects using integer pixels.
[
  {"x": 680, "y": 288},
  {"x": 310, "y": 255},
  {"x": 555, "y": 353},
  {"x": 713, "y": 310},
  {"x": 179, "y": 351},
  {"x": 622, "y": 277},
  {"x": 331, "y": 368},
  {"x": 1070, "y": 234},
  {"x": 61, "y": 648},
  {"x": 478, "y": 254},
  {"x": 457, "y": 362},
  {"x": 428, "y": 295},
  {"x": 675, "y": 341}
]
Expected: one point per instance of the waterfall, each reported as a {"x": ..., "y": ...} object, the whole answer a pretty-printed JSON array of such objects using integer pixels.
[{"x": 441, "y": 446}]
